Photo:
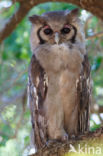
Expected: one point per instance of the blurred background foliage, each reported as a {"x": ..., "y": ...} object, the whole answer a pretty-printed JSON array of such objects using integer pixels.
[{"x": 15, "y": 54}]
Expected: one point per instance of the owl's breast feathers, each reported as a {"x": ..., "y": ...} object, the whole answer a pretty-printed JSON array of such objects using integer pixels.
[{"x": 55, "y": 58}]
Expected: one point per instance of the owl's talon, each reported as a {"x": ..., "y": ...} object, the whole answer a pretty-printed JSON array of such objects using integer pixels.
[
  {"x": 73, "y": 136},
  {"x": 65, "y": 137},
  {"x": 50, "y": 142}
]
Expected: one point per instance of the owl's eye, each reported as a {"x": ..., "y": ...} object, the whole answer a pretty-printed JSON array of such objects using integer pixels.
[
  {"x": 66, "y": 29},
  {"x": 48, "y": 31}
]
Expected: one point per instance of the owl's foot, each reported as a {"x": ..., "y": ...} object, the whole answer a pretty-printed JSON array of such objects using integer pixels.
[
  {"x": 53, "y": 142},
  {"x": 61, "y": 136},
  {"x": 64, "y": 137},
  {"x": 58, "y": 134},
  {"x": 72, "y": 136}
]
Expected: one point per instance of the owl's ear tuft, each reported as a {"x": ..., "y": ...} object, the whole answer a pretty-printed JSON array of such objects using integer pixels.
[
  {"x": 73, "y": 14},
  {"x": 35, "y": 19}
]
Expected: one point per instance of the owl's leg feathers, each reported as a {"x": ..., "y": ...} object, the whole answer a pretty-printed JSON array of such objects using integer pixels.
[
  {"x": 55, "y": 126},
  {"x": 58, "y": 134}
]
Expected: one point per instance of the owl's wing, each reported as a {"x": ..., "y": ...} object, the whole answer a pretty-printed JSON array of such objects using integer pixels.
[
  {"x": 84, "y": 96},
  {"x": 37, "y": 89}
]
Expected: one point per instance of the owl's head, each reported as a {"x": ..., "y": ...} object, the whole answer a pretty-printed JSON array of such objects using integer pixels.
[{"x": 55, "y": 28}]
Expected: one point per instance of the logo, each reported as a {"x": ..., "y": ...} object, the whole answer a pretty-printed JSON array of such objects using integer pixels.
[{"x": 86, "y": 149}]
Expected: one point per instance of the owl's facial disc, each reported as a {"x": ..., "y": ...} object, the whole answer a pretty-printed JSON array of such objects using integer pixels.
[
  {"x": 56, "y": 34},
  {"x": 49, "y": 31}
]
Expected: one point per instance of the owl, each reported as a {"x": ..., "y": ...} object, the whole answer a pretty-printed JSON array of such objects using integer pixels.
[{"x": 59, "y": 77}]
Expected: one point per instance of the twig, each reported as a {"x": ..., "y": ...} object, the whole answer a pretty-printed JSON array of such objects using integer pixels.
[
  {"x": 100, "y": 34},
  {"x": 10, "y": 101},
  {"x": 13, "y": 82}
]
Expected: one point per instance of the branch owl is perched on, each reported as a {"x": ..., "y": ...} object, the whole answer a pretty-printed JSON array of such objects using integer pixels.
[{"x": 58, "y": 45}]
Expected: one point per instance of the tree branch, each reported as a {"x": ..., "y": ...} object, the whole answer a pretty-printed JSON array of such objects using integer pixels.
[
  {"x": 96, "y": 109},
  {"x": 100, "y": 34},
  {"x": 14, "y": 21},
  {"x": 60, "y": 149},
  {"x": 94, "y": 6}
]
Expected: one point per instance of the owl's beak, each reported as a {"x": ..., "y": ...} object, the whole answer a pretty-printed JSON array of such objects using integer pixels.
[{"x": 56, "y": 38}]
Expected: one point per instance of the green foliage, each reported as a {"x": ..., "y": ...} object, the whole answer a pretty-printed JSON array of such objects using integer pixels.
[{"x": 15, "y": 54}]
